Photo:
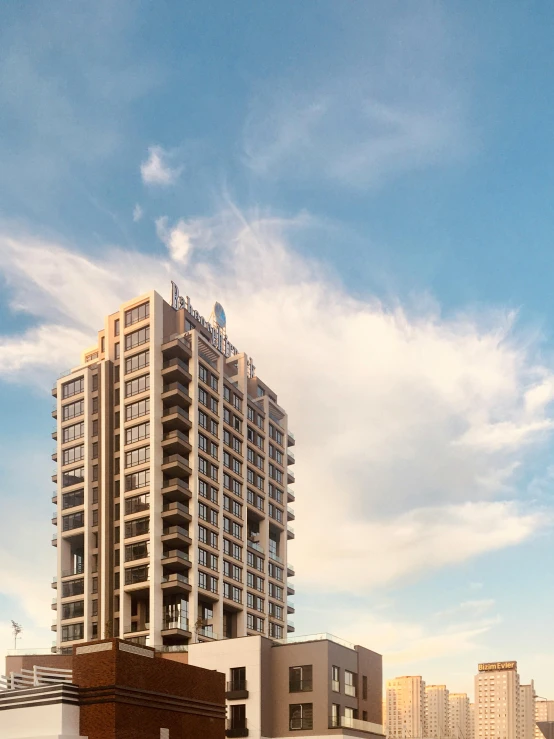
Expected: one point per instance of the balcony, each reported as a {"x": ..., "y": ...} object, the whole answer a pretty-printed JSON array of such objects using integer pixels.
[
  {"x": 175, "y": 560},
  {"x": 290, "y": 478},
  {"x": 55, "y": 391},
  {"x": 55, "y": 519},
  {"x": 291, "y": 441},
  {"x": 176, "y": 583},
  {"x": 175, "y": 465},
  {"x": 176, "y": 394},
  {"x": 140, "y": 640},
  {"x": 290, "y": 606},
  {"x": 290, "y": 514},
  {"x": 290, "y": 627},
  {"x": 55, "y": 540},
  {"x": 54, "y": 456},
  {"x": 178, "y": 348},
  {"x": 275, "y": 557},
  {"x": 175, "y": 490},
  {"x": 290, "y": 589},
  {"x": 55, "y": 411},
  {"x": 176, "y": 442},
  {"x": 296, "y": 724},
  {"x": 54, "y": 626},
  {"x": 176, "y": 419},
  {"x": 77, "y": 569},
  {"x": 207, "y": 632},
  {"x": 236, "y": 728},
  {"x": 55, "y": 499},
  {"x": 291, "y": 572},
  {"x": 290, "y": 532},
  {"x": 55, "y": 583},
  {"x": 137, "y": 577},
  {"x": 175, "y": 514},
  {"x": 345, "y": 722},
  {"x": 291, "y": 496},
  {"x": 236, "y": 689},
  {"x": 254, "y": 545},
  {"x": 175, "y": 627},
  {"x": 291, "y": 459},
  {"x": 175, "y": 536},
  {"x": 350, "y": 690},
  {"x": 55, "y": 478},
  {"x": 54, "y": 604},
  {"x": 175, "y": 370},
  {"x": 55, "y": 435}
]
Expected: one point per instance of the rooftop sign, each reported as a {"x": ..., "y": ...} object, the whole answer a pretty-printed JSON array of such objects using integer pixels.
[
  {"x": 217, "y": 325},
  {"x": 494, "y": 666}
]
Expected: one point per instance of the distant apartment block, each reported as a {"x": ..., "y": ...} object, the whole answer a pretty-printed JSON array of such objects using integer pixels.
[
  {"x": 460, "y": 716},
  {"x": 497, "y": 700},
  {"x": 437, "y": 711},
  {"x": 173, "y": 466},
  {"x": 527, "y": 697}
]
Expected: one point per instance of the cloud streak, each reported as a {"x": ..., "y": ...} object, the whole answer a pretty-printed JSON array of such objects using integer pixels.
[{"x": 156, "y": 169}]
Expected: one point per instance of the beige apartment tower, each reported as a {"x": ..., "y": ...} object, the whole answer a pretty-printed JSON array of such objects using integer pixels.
[
  {"x": 437, "y": 711},
  {"x": 527, "y": 697},
  {"x": 544, "y": 711},
  {"x": 173, "y": 465},
  {"x": 460, "y": 716},
  {"x": 497, "y": 697},
  {"x": 405, "y": 706}
]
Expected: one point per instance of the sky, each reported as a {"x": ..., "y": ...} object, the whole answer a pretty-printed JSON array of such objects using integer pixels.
[{"x": 367, "y": 190}]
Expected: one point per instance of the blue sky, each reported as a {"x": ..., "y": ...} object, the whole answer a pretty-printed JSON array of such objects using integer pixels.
[{"x": 366, "y": 187}]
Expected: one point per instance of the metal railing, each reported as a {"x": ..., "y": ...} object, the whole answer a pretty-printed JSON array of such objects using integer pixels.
[
  {"x": 301, "y": 723},
  {"x": 175, "y": 506},
  {"x": 176, "y": 362},
  {"x": 175, "y": 553},
  {"x": 234, "y": 685},
  {"x": 175, "y": 622},
  {"x": 175, "y": 409},
  {"x": 345, "y": 722},
  {"x": 176, "y": 577},
  {"x": 77, "y": 569},
  {"x": 168, "y": 530},
  {"x": 301, "y": 686},
  {"x": 176, "y": 386},
  {"x": 256, "y": 546},
  {"x": 275, "y": 557}
]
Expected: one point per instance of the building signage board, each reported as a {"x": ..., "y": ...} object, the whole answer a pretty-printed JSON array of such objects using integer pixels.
[
  {"x": 494, "y": 666},
  {"x": 217, "y": 326}
]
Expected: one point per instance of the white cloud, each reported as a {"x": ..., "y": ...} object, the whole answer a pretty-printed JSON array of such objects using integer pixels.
[
  {"x": 137, "y": 213},
  {"x": 379, "y": 398},
  {"x": 156, "y": 170}
]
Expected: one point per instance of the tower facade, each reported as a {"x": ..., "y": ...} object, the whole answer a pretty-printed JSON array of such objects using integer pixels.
[
  {"x": 173, "y": 465},
  {"x": 460, "y": 716}
]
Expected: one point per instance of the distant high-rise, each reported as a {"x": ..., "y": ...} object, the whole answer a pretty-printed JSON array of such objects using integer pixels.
[
  {"x": 497, "y": 697},
  {"x": 460, "y": 716},
  {"x": 544, "y": 711},
  {"x": 471, "y": 728},
  {"x": 173, "y": 460},
  {"x": 436, "y": 724},
  {"x": 527, "y": 697},
  {"x": 405, "y": 697}
]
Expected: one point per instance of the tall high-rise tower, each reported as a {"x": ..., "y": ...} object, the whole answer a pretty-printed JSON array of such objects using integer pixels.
[
  {"x": 460, "y": 716},
  {"x": 437, "y": 712},
  {"x": 405, "y": 709},
  {"x": 173, "y": 460},
  {"x": 497, "y": 697},
  {"x": 527, "y": 697}
]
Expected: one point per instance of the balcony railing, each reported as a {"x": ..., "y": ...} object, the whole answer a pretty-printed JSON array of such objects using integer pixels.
[
  {"x": 168, "y": 530},
  {"x": 350, "y": 690},
  {"x": 301, "y": 723},
  {"x": 255, "y": 545},
  {"x": 275, "y": 557},
  {"x": 175, "y": 553},
  {"x": 175, "y": 622},
  {"x": 345, "y": 722},
  {"x": 301, "y": 686},
  {"x": 176, "y": 577},
  {"x": 236, "y": 728},
  {"x": 176, "y": 507},
  {"x": 234, "y": 685},
  {"x": 77, "y": 569}
]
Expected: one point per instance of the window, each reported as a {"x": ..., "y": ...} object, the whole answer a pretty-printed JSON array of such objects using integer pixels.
[
  {"x": 205, "y": 513},
  {"x": 226, "y": 394},
  {"x": 232, "y": 506},
  {"x": 136, "y": 338},
  {"x": 136, "y": 386},
  {"x": 237, "y": 402},
  {"x": 213, "y": 405},
  {"x": 230, "y": 527},
  {"x": 275, "y": 513},
  {"x": 73, "y": 610},
  {"x": 275, "y": 493},
  {"x": 137, "y": 362},
  {"x": 275, "y": 631},
  {"x": 207, "y": 582},
  {"x": 232, "y": 550},
  {"x": 207, "y": 537},
  {"x": 95, "y": 450},
  {"x": 136, "y": 504},
  {"x": 237, "y": 718},
  {"x": 202, "y": 420},
  {"x": 73, "y": 477},
  {"x": 116, "y": 327},
  {"x": 74, "y": 454},
  {"x": 73, "y": 521},
  {"x": 364, "y": 687},
  {"x": 72, "y": 433},
  {"x": 213, "y": 382},
  {"x": 275, "y": 571},
  {"x": 73, "y": 388},
  {"x": 135, "y": 410},
  {"x": 137, "y": 433},
  {"x": 136, "y": 551},
  {"x": 72, "y": 410},
  {"x": 138, "y": 527},
  {"x": 335, "y": 716},
  {"x": 350, "y": 683},
  {"x": 203, "y": 373},
  {"x": 275, "y": 473},
  {"x": 73, "y": 587},
  {"x": 136, "y": 574},
  {"x": 71, "y": 500},
  {"x": 72, "y": 632},
  {"x": 335, "y": 679},
  {"x": 203, "y": 396},
  {"x": 137, "y": 456},
  {"x": 137, "y": 480},
  {"x": 238, "y": 678},
  {"x": 233, "y": 571},
  {"x": 117, "y": 349},
  {"x": 213, "y": 427},
  {"x": 301, "y": 716},
  {"x": 275, "y": 591},
  {"x": 274, "y": 610},
  {"x": 140, "y": 313}
]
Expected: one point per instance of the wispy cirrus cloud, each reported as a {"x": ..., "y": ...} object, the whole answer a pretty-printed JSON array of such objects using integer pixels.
[
  {"x": 393, "y": 104},
  {"x": 157, "y": 170}
]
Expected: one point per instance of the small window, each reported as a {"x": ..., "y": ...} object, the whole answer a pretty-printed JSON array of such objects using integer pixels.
[
  {"x": 238, "y": 678},
  {"x": 301, "y": 716},
  {"x": 300, "y": 679}
]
